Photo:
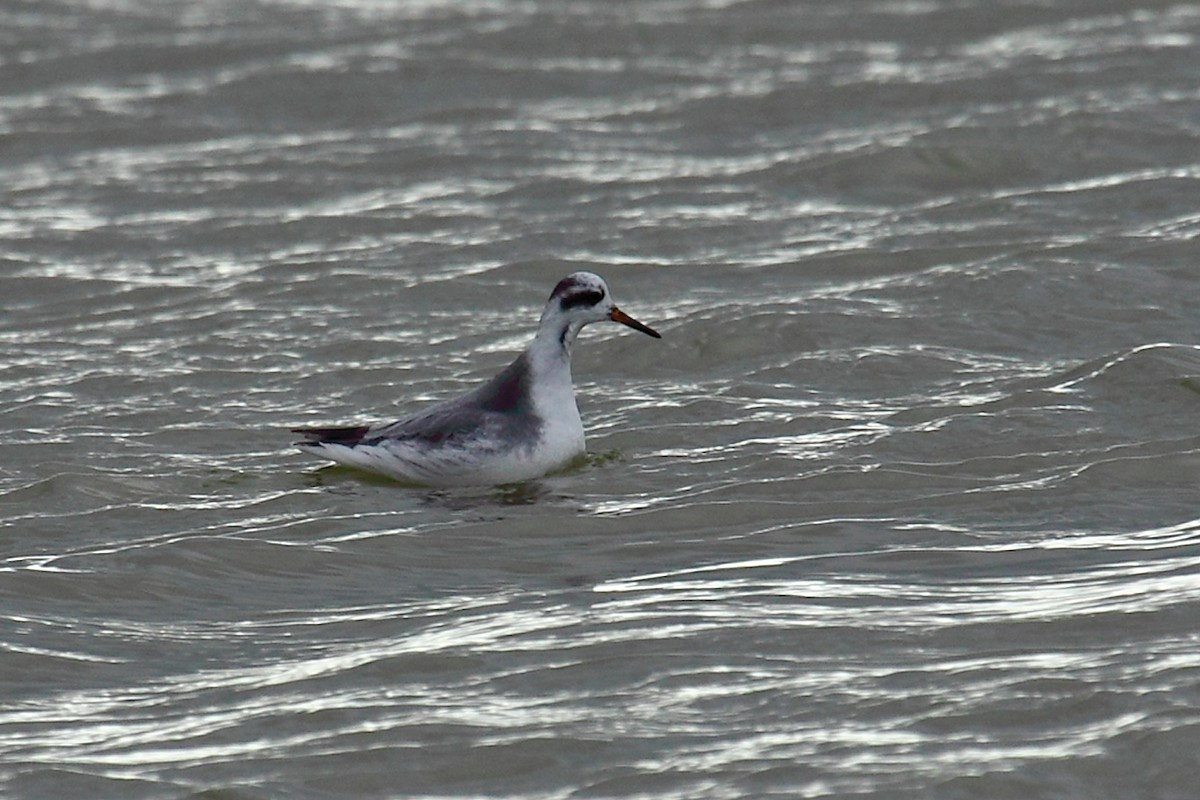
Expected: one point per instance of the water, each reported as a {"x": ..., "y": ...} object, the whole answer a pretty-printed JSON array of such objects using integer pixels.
[{"x": 904, "y": 504}]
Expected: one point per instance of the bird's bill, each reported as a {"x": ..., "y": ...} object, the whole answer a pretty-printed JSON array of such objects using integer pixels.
[{"x": 617, "y": 315}]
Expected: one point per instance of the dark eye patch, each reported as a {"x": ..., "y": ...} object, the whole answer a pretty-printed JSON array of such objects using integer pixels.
[{"x": 586, "y": 298}]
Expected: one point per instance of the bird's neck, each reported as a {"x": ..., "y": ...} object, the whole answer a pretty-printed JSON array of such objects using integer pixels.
[
  {"x": 549, "y": 359},
  {"x": 554, "y": 341},
  {"x": 549, "y": 353}
]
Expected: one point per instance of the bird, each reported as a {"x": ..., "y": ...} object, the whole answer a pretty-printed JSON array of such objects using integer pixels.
[{"x": 521, "y": 425}]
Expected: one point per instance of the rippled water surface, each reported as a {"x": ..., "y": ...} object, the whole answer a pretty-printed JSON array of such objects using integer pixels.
[{"x": 904, "y": 504}]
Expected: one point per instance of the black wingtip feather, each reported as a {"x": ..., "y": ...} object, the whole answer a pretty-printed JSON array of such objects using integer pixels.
[{"x": 347, "y": 436}]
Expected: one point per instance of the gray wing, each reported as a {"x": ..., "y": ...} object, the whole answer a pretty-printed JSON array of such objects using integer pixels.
[
  {"x": 446, "y": 441},
  {"x": 501, "y": 411}
]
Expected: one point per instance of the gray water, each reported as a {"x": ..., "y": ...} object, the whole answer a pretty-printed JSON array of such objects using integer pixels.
[{"x": 903, "y": 505}]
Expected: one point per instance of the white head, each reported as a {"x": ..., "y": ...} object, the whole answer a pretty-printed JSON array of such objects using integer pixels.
[{"x": 579, "y": 299}]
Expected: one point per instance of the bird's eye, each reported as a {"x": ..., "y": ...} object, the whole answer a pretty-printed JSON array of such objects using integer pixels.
[{"x": 586, "y": 298}]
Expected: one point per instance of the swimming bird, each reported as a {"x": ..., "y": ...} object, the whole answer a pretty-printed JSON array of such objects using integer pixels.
[{"x": 520, "y": 425}]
